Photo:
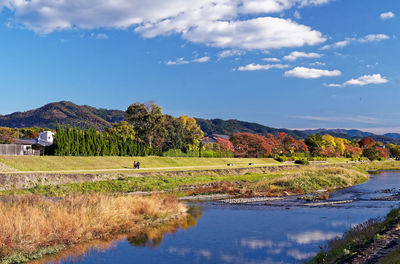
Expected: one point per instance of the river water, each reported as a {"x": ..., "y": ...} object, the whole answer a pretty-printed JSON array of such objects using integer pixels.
[{"x": 285, "y": 231}]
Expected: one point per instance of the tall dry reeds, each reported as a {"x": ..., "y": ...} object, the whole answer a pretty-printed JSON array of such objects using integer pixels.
[{"x": 29, "y": 223}]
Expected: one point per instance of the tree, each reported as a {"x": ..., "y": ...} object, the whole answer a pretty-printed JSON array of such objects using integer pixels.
[
  {"x": 372, "y": 153},
  {"x": 340, "y": 145},
  {"x": 6, "y": 135},
  {"x": 122, "y": 129},
  {"x": 225, "y": 144},
  {"x": 366, "y": 142},
  {"x": 315, "y": 143},
  {"x": 395, "y": 151},
  {"x": 147, "y": 120},
  {"x": 328, "y": 141},
  {"x": 193, "y": 132},
  {"x": 250, "y": 145}
]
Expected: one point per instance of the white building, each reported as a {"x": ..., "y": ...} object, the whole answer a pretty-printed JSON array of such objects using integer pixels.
[{"x": 46, "y": 138}]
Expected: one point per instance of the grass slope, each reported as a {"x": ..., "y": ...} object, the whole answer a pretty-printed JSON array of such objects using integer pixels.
[
  {"x": 51, "y": 163},
  {"x": 298, "y": 181}
]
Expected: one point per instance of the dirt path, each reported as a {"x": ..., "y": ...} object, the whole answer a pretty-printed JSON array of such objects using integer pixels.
[
  {"x": 380, "y": 248},
  {"x": 149, "y": 169},
  {"x": 165, "y": 168}
]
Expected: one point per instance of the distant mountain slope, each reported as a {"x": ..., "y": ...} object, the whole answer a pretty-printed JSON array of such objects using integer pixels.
[
  {"x": 355, "y": 134},
  {"x": 392, "y": 135},
  {"x": 84, "y": 116},
  {"x": 65, "y": 113},
  {"x": 228, "y": 127},
  {"x": 349, "y": 132}
]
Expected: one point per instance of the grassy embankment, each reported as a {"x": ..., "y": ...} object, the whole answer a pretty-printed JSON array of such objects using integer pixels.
[
  {"x": 304, "y": 180},
  {"x": 31, "y": 226},
  {"x": 344, "y": 248},
  {"x": 52, "y": 163}
]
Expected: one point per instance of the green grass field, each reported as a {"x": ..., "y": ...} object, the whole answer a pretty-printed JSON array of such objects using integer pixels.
[{"x": 52, "y": 163}]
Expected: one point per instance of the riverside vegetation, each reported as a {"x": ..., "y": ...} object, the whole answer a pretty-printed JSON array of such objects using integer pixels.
[
  {"x": 288, "y": 181},
  {"x": 32, "y": 226},
  {"x": 344, "y": 249}
]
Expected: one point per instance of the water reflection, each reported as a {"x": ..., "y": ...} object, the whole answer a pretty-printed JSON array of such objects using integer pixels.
[
  {"x": 149, "y": 238},
  {"x": 252, "y": 233},
  {"x": 154, "y": 237}
]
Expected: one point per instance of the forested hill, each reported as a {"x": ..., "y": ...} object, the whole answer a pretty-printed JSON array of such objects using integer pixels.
[
  {"x": 84, "y": 116},
  {"x": 64, "y": 112},
  {"x": 229, "y": 127}
]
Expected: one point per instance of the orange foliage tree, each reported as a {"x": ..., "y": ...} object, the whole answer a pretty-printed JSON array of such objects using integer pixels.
[{"x": 250, "y": 145}]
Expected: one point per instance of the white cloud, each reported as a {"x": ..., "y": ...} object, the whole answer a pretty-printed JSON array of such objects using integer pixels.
[
  {"x": 373, "y": 38},
  {"x": 258, "y": 67},
  {"x": 102, "y": 36},
  {"x": 202, "y": 59},
  {"x": 348, "y": 41},
  {"x": 179, "y": 61},
  {"x": 362, "y": 81},
  {"x": 230, "y": 53},
  {"x": 298, "y": 54},
  {"x": 310, "y": 73},
  {"x": 272, "y": 59},
  {"x": 318, "y": 63},
  {"x": 217, "y": 23},
  {"x": 183, "y": 61},
  {"x": 255, "y": 34},
  {"x": 387, "y": 15}
]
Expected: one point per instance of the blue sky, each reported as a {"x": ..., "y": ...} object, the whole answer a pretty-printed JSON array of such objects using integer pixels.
[{"x": 282, "y": 63}]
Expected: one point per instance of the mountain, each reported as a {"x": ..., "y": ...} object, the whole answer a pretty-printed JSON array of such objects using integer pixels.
[
  {"x": 355, "y": 134},
  {"x": 84, "y": 116},
  {"x": 64, "y": 112},
  {"x": 228, "y": 127},
  {"x": 393, "y": 135}
]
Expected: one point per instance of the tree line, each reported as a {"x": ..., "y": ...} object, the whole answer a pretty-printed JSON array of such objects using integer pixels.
[{"x": 147, "y": 131}]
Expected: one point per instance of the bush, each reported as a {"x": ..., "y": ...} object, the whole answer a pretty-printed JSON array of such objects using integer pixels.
[
  {"x": 302, "y": 161},
  {"x": 180, "y": 153},
  {"x": 281, "y": 158}
]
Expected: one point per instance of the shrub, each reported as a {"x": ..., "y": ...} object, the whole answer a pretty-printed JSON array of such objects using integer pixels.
[{"x": 302, "y": 161}]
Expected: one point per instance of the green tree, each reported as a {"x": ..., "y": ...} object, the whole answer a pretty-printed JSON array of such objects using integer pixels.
[
  {"x": 147, "y": 120},
  {"x": 122, "y": 129},
  {"x": 372, "y": 153}
]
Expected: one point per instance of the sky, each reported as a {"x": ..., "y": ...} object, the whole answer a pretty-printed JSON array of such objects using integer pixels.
[{"x": 282, "y": 63}]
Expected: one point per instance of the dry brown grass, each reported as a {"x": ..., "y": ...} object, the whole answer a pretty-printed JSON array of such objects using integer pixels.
[{"x": 28, "y": 223}]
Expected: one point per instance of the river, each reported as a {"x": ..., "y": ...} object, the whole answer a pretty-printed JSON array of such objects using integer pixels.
[{"x": 285, "y": 231}]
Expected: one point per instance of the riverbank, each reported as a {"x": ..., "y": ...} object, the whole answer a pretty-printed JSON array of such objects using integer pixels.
[
  {"x": 32, "y": 227},
  {"x": 276, "y": 181},
  {"x": 375, "y": 241}
]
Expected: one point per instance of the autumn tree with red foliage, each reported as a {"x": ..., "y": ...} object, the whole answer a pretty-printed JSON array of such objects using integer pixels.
[
  {"x": 282, "y": 143},
  {"x": 250, "y": 145},
  {"x": 352, "y": 152},
  {"x": 366, "y": 142},
  {"x": 383, "y": 151},
  {"x": 225, "y": 144}
]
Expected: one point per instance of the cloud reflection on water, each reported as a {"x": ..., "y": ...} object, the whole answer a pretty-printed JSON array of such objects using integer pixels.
[{"x": 312, "y": 236}]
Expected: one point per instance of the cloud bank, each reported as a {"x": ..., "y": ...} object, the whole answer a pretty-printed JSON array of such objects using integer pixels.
[{"x": 234, "y": 24}]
